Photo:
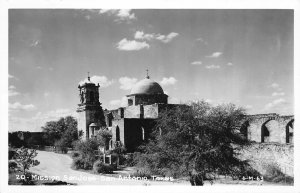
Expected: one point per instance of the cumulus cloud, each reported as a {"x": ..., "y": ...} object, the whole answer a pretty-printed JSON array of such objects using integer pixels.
[
  {"x": 121, "y": 14},
  {"x": 102, "y": 80},
  {"x": 196, "y": 63},
  {"x": 127, "y": 83},
  {"x": 119, "y": 102},
  {"x": 132, "y": 45},
  {"x": 142, "y": 36},
  {"x": 12, "y": 91},
  {"x": 163, "y": 38},
  {"x": 275, "y": 103},
  {"x": 168, "y": 81},
  {"x": 229, "y": 64},
  {"x": 215, "y": 55},
  {"x": 20, "y": 107},
  {"x": 278, "y": 94},
  {"x": 167, "y": 38},
  {"x": 212, "y": 66}
]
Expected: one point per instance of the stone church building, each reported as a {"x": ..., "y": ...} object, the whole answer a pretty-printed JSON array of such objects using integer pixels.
[{"x": 131, "y": 125}]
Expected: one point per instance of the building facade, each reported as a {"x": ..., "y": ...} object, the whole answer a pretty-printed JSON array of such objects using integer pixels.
[{"x": 130, "y": 126}]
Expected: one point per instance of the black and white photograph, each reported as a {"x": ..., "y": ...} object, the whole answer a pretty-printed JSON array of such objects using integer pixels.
[{"x": 150, "y": 97}]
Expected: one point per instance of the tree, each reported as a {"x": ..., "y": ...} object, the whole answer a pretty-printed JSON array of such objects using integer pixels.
[
  {"x": 64, "y": 130},
  {"x": 103, "y": 137},
  {"x": 196, "y": 140},
  {"x": 87, "y": 153},
  {"x": 25, "y": 159}
]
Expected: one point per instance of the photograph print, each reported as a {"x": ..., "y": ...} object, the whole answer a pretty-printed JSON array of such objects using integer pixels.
[{"x": 188, "y": 97}]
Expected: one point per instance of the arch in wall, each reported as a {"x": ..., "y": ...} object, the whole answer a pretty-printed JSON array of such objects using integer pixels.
[
  {"x": 244, "y": 129},
  {"x": 289, "y": 131},
  {"x": 265, "y": 133},
  {"x": 117, "y": 133}
]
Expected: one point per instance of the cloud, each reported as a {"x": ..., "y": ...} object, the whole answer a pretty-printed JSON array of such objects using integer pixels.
[
  {"x": 167, "y": 38},
  {"x": 215, "y": 55},
  {"x": 275, "y": 103},
  {"x": 20, "y": 107},
  {"x": 196, "y": 63},
  {"x": 12, "y": 91},
  {"x": 212, "y": 66},
  {"x": 102, "y": 80},
  {"x": 127, "y": 83},
  {"x": 274, "y": 85},
  {"x": 121, "y": 14},
  {"x": 173, "y": 100},
  {"x": 202, "y": 41},
  {"x": 140, "y": 35},
  {"x": 131, "y": 45},
  {"x": 12, "y": 77},
  {"x": 278, "y": 94},
  {"x": 119, "y": 102},
  {"x": 34, "y": 43},
  {"x": 229, "y": 64},
  {"x": 168, "y": 81},
  {"x": 248, "y": 107}
]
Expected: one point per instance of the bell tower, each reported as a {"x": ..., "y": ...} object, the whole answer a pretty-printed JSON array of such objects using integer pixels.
[{"x": 90, "y": 113}]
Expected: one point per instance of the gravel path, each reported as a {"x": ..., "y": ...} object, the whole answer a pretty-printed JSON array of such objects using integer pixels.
[{"x": 53, "y": 165}]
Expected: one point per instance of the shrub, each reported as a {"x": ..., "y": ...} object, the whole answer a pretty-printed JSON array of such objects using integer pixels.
[
  {"x": 12, "y": 164},
  {"x": 11, "y": 154},
  {"x": 75, "y": 154},
  {"x": 100, "y": 167},
  {"x": 143, "y": 172},
  {"x": 274, "y": 174},
  {"x": 77, "y": 163},
  {"x": 81, "y": 163}
]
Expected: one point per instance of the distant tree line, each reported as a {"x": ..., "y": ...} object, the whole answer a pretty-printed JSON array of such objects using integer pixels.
[{"x": 61, "y": 133}]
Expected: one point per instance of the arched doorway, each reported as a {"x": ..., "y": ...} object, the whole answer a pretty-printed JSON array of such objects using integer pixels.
[
  {"x": 289, "y": 131},
  {"x": 265, "y": 133}
]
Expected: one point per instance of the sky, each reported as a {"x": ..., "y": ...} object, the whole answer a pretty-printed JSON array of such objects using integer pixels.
[{"x": 243, "y": 57}]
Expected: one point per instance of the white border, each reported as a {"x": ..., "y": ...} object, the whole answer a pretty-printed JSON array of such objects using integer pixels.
[{"x": 157, "y": 4}]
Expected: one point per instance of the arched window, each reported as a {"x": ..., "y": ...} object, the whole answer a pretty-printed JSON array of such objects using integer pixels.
[
  {"x": 143, "y": 134},
  {"x": 117, "y": 133}
]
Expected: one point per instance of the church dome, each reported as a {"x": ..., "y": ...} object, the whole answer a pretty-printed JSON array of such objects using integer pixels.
[{"x": 147, "y": 86}]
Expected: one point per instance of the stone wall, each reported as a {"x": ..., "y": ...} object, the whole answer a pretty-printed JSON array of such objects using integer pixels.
[
  {"x": 269, "y": 128},
  {"x": 264, "y": 155}
]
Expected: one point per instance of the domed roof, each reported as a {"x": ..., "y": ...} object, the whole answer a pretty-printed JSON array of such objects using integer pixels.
[{"x": 147, "y": 86}]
